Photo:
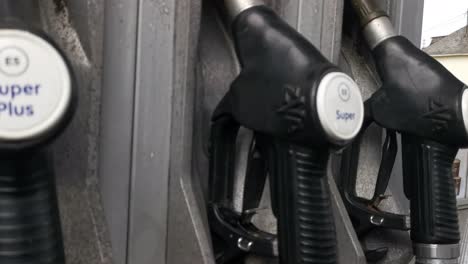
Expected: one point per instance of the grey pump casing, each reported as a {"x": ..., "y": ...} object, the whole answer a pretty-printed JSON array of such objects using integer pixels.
[
  {"x": 166, "y": 66},
  {"x": 161, "y": 81}
]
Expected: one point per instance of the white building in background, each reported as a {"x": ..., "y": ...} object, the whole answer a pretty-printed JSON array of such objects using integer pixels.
[{"x": 452, "y": 52}]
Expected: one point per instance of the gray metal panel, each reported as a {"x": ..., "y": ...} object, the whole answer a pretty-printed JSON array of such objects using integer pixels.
[
  {"x": 319, "y": 21},
  {"x": 152, "y": 133},
  {"x": 193, "y": 102},
  {"x": 117, "y": 118},
  {"x": 463, "y": 217},
  {"x": 188, "y": 234},
  {"x": 162, "y": 169},
  {"x": 407, "y": 16},
  {"x": 83, "y": 225}
]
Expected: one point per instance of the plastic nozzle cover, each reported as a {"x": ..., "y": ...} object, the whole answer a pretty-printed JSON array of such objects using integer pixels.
[{"x": 367, "y": 10}]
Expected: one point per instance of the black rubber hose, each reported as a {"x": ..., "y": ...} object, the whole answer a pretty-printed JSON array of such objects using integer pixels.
[{"x": 30, "y": 231}]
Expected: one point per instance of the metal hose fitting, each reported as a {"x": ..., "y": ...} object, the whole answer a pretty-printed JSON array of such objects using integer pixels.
[
  {"x": 367, "y": 10},
  {"x": 374, "y": 21},
  {"x": 437, "y": 254},
  {"x": 235, "y": 7}
]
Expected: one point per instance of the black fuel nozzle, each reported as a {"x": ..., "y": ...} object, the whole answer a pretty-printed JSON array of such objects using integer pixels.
[
  {"x": 428, "y": 106},
  {"x": 299, "y": 106},
  {"x": 37, "y": 101}
]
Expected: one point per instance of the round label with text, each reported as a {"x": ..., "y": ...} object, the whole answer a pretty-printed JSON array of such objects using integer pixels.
[
  {"x": 35, "y": 85},
  {"x": 340, "y": 106}
]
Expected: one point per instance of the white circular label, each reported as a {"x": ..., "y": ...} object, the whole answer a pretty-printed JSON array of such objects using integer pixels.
[
  {"x": 35, "y": 85},
  {"x": 340, "y": 106}
]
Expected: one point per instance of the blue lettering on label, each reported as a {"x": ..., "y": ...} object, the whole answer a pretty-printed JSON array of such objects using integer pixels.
[
  {"x": 346, "y": 116},
  {"x": 11, "y": 92},
  {"x": 15, "y": 90},
  {"x": 12, "y": 110}
]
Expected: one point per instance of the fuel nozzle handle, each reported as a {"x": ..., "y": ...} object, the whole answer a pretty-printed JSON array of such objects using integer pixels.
[
  {"x": 424, "y": 102},
  {"x": 37, "y": 101},
  {"x": 427, "y": 169},
  {"x": 300, "y": 106}
]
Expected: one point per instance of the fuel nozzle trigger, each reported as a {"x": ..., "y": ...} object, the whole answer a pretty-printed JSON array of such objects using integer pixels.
[
  {"x": 365, "y": 213},
  {"x": 235, "y": 234}
]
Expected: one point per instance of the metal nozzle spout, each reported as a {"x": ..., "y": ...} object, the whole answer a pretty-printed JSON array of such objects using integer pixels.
[
  {"x": 235, "y": 7},
  {"x": 367, "y": 10}
]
